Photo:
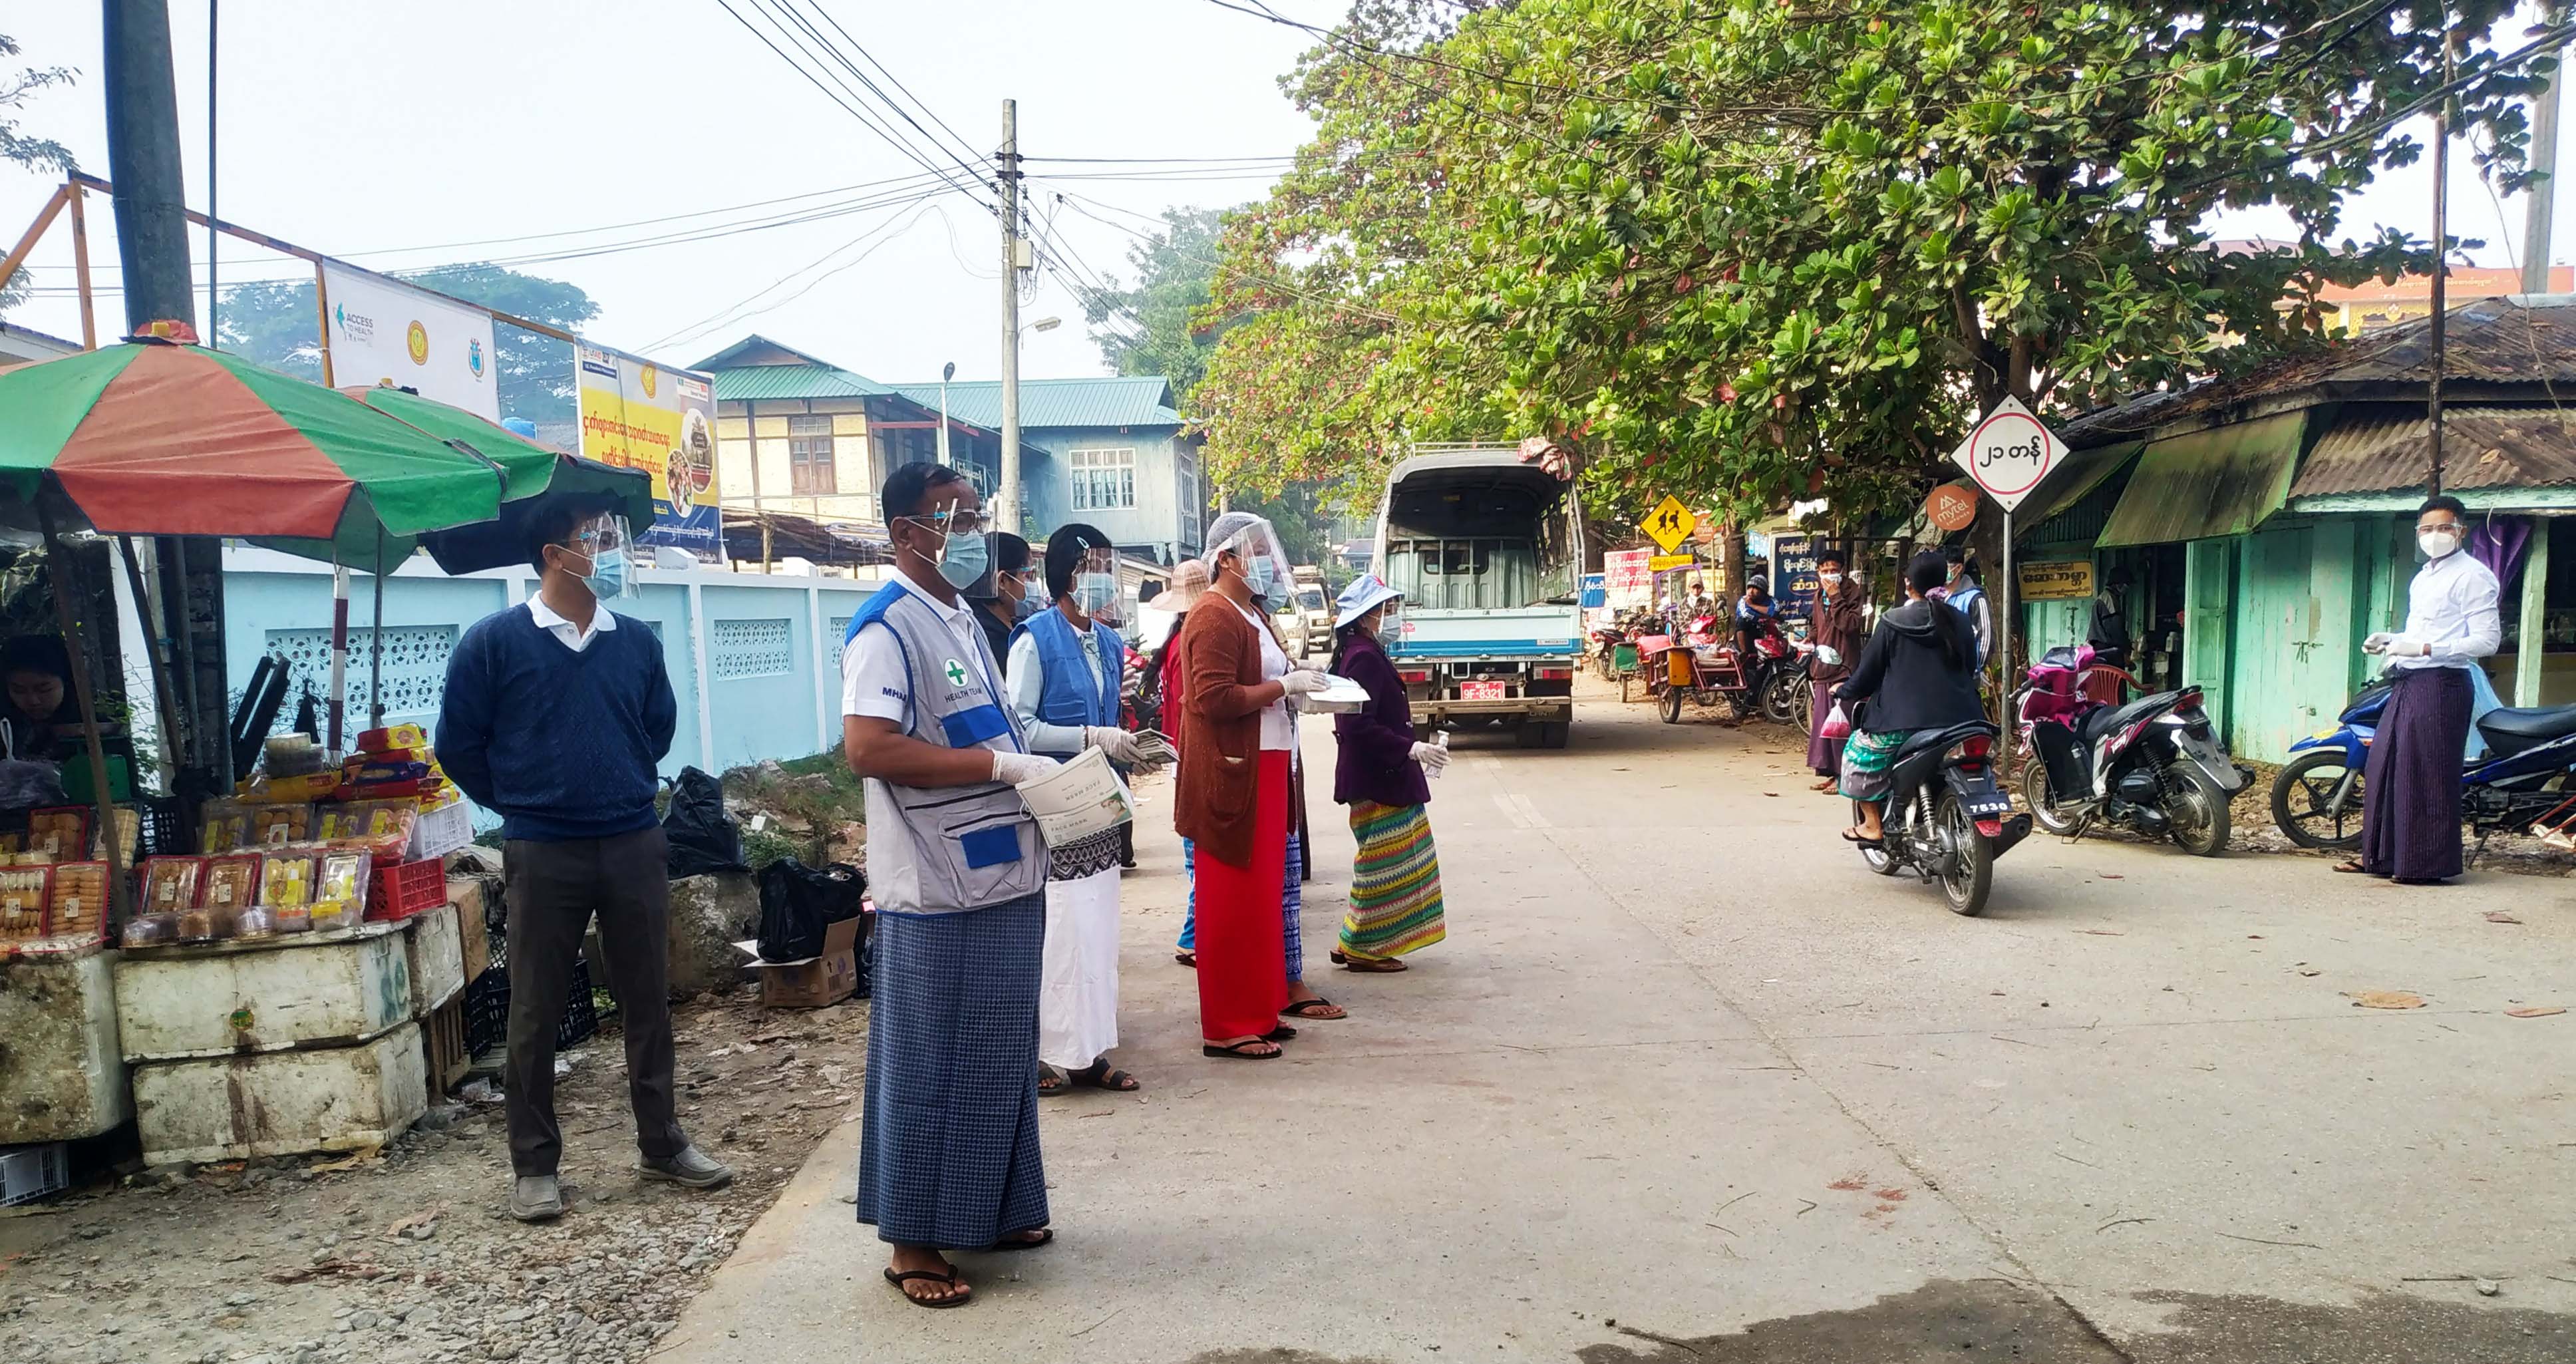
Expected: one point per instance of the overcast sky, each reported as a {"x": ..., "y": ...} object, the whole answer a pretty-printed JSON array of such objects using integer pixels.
[{"x": 360, "y": 126}]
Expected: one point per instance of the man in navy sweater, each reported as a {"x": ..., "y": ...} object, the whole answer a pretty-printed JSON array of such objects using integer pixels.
[{"x": 556, "y": 715}]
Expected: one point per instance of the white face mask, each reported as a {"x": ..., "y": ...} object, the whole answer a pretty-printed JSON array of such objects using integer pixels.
[
  {"x": 2437, "y": 544},
  {"x": 1835, "y": 579}
]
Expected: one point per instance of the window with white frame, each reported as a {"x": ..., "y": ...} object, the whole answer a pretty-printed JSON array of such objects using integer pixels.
[
  {"x": 810, "y": 471},
  {"x": 1102, "y": 479}
]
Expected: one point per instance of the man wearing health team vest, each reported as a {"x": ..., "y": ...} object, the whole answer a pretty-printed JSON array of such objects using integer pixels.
[{"x": 948, "y": 1143}]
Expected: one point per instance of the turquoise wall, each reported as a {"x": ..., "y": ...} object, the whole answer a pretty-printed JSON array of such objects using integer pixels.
[{"x": 755, "y": 660}]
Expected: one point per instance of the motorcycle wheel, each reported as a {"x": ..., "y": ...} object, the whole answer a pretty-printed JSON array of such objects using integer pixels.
[
  {"x": 1971, "y": 871},
  {"x": 2303, "y": 793},
  {"x": 1780, "y": 697},
  {"x": 2035, "y": 793},
  {"x": 2197, "y": 809},
  {"x": 1877, "y": 859},
  {"x": 1672, "y": 705}
]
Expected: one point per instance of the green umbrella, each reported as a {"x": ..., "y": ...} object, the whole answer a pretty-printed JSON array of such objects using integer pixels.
[
  {"x": 538, "y": 477},
  {"x": 152, "y": 438}
]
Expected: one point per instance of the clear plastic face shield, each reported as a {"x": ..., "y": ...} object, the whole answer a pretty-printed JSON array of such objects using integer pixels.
[
  {"x": 1095, "y": 586},
  {"x": 1244, "y": 544},
  {"x": 965, "y": 543},
  {"x": 600, "y": 557}
]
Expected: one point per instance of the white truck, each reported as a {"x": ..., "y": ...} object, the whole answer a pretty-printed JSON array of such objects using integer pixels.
[
  {"x": 1487, "y": 548},
  {"x": 1305, "y": 619}
]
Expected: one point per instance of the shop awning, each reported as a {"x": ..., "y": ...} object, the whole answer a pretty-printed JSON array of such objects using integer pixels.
[
  {"x": 2076, "y": 475},
  {"x": 2222, "y": 481},
  {"x": 2376, "y": 459}
]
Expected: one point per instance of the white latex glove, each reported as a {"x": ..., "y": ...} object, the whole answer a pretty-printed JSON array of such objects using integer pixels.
[
  {"x": 1016, "y": 768},
  {"x": 1432, "y": 757},
  {"x": 2377, "y": 643},
  {"x": 2407, "y": 646},
  {"x": 1117, "y": 743},
  {"x": 1303, "y": 682}
]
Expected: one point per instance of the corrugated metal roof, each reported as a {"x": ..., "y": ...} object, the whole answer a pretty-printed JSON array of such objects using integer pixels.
[
  {"x": 2482, "y": 447},
  {"x": 2222, "y": 481},
  {"x": 795, "y": 381},
  {"x": 2523, "y": 340},
  {"x": 1144, "y": 400},
  {"x": 2079, "y": 473}
]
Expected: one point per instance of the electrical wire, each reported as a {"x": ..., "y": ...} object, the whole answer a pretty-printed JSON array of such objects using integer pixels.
[
  {"x": 974, "y": 176},
  {"x": 816, "y": 81},
  {"x": 736, "y": 312}
]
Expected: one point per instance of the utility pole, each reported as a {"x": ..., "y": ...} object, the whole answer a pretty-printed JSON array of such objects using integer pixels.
[
  {"x": 2537, "y": 214},
  {"x": 2441, "y": 262},
  {"x": 214, "y": 307},
  {"x": 1007, "y": 496},
  {"x": 143, "y": 159},
  {"x": 152, "y": 244}
]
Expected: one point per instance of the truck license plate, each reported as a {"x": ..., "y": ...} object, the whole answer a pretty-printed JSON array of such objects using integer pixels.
[{"x": 1480, "y": 691}]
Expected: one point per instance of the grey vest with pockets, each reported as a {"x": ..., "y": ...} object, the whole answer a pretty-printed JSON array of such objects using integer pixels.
[{"x": 947, "y": 849}]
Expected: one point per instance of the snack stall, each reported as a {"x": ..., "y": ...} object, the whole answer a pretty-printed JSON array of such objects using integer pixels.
[{"x": 247, "y": 975}]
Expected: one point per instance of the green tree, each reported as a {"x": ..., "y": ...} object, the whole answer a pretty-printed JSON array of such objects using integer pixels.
[
  {"x": 274, "y": 323},
  {"x": 40, "y": 155},
  {"x": 1155, "y": 325},
  {"x": 1780, "y": 248}
]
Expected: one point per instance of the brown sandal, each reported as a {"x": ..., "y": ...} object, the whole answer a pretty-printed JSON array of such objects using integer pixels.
[
  {"x": 1374, "y": 967},
  {"x": 2351, "y": 866}
]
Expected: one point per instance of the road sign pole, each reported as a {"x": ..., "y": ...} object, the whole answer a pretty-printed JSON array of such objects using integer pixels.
[{"x": 2003, "y": 641}]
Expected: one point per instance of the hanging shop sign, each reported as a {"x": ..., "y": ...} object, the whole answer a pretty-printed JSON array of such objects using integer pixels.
[{"x": 383, "y": 331}]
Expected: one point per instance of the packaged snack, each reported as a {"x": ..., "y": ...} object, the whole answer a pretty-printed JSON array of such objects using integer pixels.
[
  {"x": 291, "y": 790},
  {"x": 391, "y": 738},
  {"x": 129, "y": 835},
  {"x": 170, "y": 883},
  {"x": 153, "y": 930},
  {"x": 79, "y": 901},
  {"x": 343, "y": 876},
  {"x": 291, "y": 918},
  {"x": 291, "y": 755},
  {"x": 330, "y": 915},
  {"x": 226, "y": 827},
  {"x": 12, "y": 844},
  {"x": 286, "y": 877},
  {"x": 60, "y": 833},
  {"x": 23, "y": 895},
  {"x": 231, "y": 882},
  {"x": 273, "y": 825},
  {"x": 254, "y": 922}
]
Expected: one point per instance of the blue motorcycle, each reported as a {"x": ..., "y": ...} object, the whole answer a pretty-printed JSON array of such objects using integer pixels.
[{"x": 2528, "y": 772}]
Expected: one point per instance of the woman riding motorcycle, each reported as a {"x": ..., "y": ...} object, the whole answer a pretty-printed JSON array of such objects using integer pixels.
[{"x": 1919, "y": 672}]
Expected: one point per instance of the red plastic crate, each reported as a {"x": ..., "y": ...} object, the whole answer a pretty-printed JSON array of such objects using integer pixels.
[{"x": 407, "y": 888}]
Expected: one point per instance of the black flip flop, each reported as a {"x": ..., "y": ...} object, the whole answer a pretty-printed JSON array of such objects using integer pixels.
[
  {"x": 949, "y": 1278},
  {"x": 2352, "y": 866},
  {"x": 1281, "y": 1033},
  {"x": 1237, "y": 1052},
  {"x": 1338, "y": 958},
  {"x": 1188, "y": 959},
  {"x": 1851, "y": 837},
  {"x": 1045, "y": 1235},
  {"x": 1102, "y": 1075},
  {"x": 1305, "y": 1008},
  {"x": 1375, "y": 967}
]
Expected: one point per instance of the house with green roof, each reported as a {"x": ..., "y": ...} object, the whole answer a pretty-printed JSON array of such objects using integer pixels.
[
  {"x": 799, "y": 436},
  {"x": 1111, "y": 452}
]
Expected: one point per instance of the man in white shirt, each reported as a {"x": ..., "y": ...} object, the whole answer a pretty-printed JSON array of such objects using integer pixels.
[{"x": 2410, "y": 818}]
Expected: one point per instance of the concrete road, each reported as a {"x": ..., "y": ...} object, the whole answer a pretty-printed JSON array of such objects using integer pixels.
[{"x": 1688, "y": 1083}]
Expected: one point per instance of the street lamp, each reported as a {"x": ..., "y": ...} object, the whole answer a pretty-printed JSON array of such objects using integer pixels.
[
  {"x": 1046, "y": 324},
  {"x": 946, "y": 372}
]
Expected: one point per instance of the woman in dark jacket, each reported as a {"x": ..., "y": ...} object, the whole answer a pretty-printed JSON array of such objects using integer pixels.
[
  {"x": 1919, "y": 672},
  {"x": 1395, "y": 886}
]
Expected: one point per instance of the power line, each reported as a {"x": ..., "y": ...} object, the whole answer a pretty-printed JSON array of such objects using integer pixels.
[
  {"x": 897, "y": 81},
  {"x": 727, "y": 316},
  {"x": 836, "y": 97},
  {"x": 788, "y": 7}
]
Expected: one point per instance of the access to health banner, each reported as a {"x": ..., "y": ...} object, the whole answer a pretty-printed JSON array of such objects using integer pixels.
[
  {"x": 637, "y": 414},
  {"x": 386, "y": 332}
]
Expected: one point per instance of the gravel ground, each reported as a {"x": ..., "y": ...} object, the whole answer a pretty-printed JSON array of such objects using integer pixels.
[{"x": 406, "y": 1255}]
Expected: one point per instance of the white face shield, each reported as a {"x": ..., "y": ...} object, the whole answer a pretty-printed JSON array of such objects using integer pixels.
[
  {"x": 1252, "y": 545},
  {"x": 601, "y": 544}
]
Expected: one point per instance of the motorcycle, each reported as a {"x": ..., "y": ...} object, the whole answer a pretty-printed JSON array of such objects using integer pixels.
[
  {"x": 2528, "y": 773},
  {"x": 1779, "y": 668},
  {"x": 2154, "y": 765},
  {"x": 1947, "y": 818}
]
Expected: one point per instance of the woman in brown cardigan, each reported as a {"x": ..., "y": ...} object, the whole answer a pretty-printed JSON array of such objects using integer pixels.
[{"x": 1231, "y": 799}]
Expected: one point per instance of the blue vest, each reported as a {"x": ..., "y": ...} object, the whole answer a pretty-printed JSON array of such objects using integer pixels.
[
  {"x": 1964, "y": 599},
  {"x": 1070, "y": 692}
]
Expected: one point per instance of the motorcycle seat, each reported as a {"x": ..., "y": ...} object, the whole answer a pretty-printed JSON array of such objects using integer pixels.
[
  {"x": 1922, "y": 739},
  {"x": 2525, "y": 728},
  {"x": 2111, "y": 719}
]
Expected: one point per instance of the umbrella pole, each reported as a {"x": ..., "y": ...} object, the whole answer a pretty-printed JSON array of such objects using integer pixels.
[
  {"x": 339, "y": 655},
  {"x": 376, "y": 644},
  {"x": 163, "y": 695},
  {"x": 120, "y": 895}
]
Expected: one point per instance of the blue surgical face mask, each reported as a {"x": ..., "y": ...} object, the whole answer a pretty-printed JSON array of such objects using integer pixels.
[
  {"x": 1028, "y": 605},
  {"x": 607, "y": 576},
  {"x": 963, "y": 559},
  {"x": 1094, "y": 591},
  {"x": 1257, "y": 574}
]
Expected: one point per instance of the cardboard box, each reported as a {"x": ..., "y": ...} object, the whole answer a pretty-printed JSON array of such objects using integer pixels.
[
  {"x": 815, "y": 981},
  {"x": 466, "y": 894}
]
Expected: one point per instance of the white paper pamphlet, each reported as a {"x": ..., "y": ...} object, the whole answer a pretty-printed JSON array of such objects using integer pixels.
[{"x": 1078, "y": 799}]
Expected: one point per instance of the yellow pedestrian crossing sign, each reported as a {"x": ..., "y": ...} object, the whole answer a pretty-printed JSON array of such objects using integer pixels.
[{"x": 1670, "y": 523}]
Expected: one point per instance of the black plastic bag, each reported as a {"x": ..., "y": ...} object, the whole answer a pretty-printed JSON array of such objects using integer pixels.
[
  {"x": 703, "y": 841},
  {"x": 798, "y": 902}
]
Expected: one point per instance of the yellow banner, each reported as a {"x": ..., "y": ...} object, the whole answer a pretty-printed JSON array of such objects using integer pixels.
[
  {"x": 1662, "y": 562},
  {"x": 2051, "y": 580}
]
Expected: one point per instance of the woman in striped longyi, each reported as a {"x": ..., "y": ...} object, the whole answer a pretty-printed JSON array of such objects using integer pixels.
[{"x": 1395, "y": 886}]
